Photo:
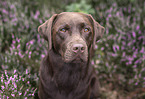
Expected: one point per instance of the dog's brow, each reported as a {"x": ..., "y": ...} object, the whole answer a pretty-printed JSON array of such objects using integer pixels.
[
  {"x": 83, "y": 24},
  {"x": 63, "y": 26}
]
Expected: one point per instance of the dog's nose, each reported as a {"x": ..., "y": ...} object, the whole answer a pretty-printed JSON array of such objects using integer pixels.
[{"x": 78, "y": 48}]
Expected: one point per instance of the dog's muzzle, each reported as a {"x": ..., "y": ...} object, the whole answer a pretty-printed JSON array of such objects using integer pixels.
[{"x": 76, "y": 50}]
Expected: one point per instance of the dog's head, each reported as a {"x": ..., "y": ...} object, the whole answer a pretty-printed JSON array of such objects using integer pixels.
[{"x": 71, "y": 35}]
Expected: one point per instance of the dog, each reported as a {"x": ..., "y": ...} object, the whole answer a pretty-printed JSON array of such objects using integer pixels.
[{"x": 66, "y": 71}]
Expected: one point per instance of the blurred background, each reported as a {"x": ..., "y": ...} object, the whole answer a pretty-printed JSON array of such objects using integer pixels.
[{"x": 119, "y": 58}]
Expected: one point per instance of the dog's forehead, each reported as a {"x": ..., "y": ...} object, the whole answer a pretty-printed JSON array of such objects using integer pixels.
[{"x": 72, "y": 17}]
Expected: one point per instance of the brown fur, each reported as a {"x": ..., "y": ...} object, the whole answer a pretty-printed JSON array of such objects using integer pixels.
[{"x": 64, "y": 73}]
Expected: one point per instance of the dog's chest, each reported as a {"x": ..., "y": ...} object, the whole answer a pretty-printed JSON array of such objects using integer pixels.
[
  {"x": 70, "y": 84},
  {"x": 67, "y": 80},
  {"x": 67, "y": 92}
]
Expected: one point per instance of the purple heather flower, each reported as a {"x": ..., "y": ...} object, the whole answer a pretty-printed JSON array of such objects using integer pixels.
[
  {"x": 136, "y": 83},
  {"x": 7, "y": 97},
  {"x": 129, "y": 44},
  {"x": 139, "y": 32},
  {"x": 26, "y": 52},
  {"x": 15, "y": 86},
  {"x": 18, "y": 40},
  {"x": 134, "y": 55},
  {"x": 117, "y": 14},
  {"x": 107, "y": 19},
  {"x": 9, "y": 80},
  {"x": 12, "y": 6},
  {"x": 27, "y": 71},
  {"x": 114, "y": 55},
  {"x": 18, "y": 46},
  {"x": 20, "y": 54},
  {"x": 12, "y": 35},
  {"x": 114, "y": 49},
  {"x": 34, "y": 92},
  {"x": 27, "y": 90},
  {"x": 42, "y": 55},
  {"x": 13, "y": 95},
  {"x": 36, "y": 15},
  {"x": 2, "y": 77},
  {"x": 30, "y": 53},
  {"x": 127, "y": 63},
  {"x": 16, "y": 53},
  {"x": 92, "y": 62},
  {"x": 109, "y": 15},
  {"x": 140, "y": 37},
  {"x": 40, "y": 21},
  {"x": 2, "y": 87},
  {"x": 15, "y": 91},
  {"x": 21, "y": 87},
  {"x": 27, "y": 44},
  {"x": 142, "y": 50},
  {"x": 137, "y": 61},
  {"x": 29, "y": 56},
  {"x": 96, "y": 46},
  {"x": 16, "y": 80},
  {"x": 124, "y": 53},
  {"x": 25, "y": 93},
  {"x": 124, "y": 8},
  {"x": 4, "y": 96},
  {"x": 6, "y": 72},
  {"x": 133, "y": 34},
  {"x": 139, "y": 75},
  {"x": 102, "y": 48},
  {"x": 123, "y": 43},
  {"x": 15, "y": 19},
  {"x": 107, "y": 64},
  {"x": 15, "y": 71},
  {"x": 20, "y": 93},
  {"x": 32, "y": 41},
  {"x": 137, "y": 27},
  {"x": 5, "y": 11},
  {"x": 13, "y": 47},
  {"x": 28, "y": 82}
]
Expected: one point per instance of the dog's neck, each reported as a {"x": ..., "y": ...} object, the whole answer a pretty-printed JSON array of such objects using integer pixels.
[{"x": 64, "y": 72}]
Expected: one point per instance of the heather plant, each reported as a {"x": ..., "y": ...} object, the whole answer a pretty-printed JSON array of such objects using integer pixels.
[
  {"x": 20, "y": 43},
  {"x": 17, "y": 85},
  {"x": 17, "y": 58},
  {"x": 20, "y": 21},
  {"x": 120, "y": 55}
]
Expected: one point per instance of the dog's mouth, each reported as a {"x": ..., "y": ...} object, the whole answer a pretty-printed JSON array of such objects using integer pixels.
[{"x": 75, "y": 59}]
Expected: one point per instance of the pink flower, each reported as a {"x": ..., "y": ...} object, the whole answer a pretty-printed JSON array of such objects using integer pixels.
[
  {"x": 13, "y": 95},
  {"x": 42, "y": 55},
  {"x": 2, "y": 87}
]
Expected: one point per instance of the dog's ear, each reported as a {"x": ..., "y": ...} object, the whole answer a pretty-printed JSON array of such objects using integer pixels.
[
  {"x": 98, "y": 31},
  {"x": 46, "y": 28}
]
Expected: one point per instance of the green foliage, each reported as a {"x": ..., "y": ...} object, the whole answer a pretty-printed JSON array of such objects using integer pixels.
[{"x": 80, "y": 7}]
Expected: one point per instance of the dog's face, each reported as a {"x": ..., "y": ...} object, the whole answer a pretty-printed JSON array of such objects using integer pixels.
[{"x": 71, "y": 35}]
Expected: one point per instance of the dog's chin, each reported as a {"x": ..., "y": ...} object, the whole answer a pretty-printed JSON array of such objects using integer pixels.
[
  {"x": 78, "y": 60},
  {"x": 75, "y": 60}
]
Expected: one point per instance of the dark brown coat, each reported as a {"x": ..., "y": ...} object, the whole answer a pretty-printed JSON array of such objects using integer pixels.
[{"x": 66, "y": 72}]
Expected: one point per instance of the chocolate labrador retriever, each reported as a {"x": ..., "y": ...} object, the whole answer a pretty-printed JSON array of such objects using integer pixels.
[{"x": 66, "y": 72}]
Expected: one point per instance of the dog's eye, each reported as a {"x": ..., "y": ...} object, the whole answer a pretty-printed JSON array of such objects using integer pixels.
[
  {"x": 63, "y": 30},
  {"x": 86, "y": 30}
]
